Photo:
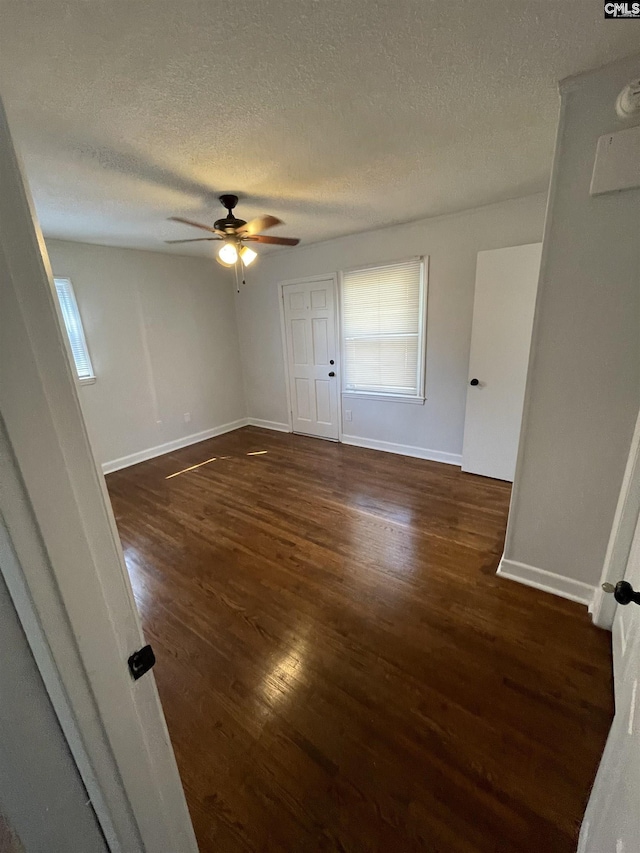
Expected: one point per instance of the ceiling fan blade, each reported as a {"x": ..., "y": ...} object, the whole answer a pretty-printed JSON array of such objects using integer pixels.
[
  {"x": 261, "y": 223},
  {"x": 275, "y": 241},
  {"x": 194, "y": 240},
  {"x": 196, "y": 224}
]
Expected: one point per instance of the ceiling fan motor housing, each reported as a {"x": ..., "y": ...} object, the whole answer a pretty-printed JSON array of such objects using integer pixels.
[{"x": 229, "y": 223}]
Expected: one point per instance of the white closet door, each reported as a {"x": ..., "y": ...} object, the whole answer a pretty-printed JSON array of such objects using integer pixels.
[{"x": 504, "y": 304}]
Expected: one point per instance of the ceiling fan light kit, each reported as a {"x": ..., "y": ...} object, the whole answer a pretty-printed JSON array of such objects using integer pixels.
[
  {"x": 247, "y": 255},
  {"x": 228, "y": 254},
  {"x": 234, "y": 233}
]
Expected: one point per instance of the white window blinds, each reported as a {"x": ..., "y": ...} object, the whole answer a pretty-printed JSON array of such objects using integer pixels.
[
  {"x": 383, "y": 329},
  {"x": 73, "y": 325}
]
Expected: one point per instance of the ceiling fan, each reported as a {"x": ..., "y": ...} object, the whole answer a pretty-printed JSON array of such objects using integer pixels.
[{"x": 235, "y": 233}]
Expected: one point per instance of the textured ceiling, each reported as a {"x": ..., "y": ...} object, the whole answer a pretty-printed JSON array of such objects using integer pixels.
[{"x": 335, "y": 116}]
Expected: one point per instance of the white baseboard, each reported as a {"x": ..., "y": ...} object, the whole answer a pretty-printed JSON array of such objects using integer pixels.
[
  {"x": 167, "y": 447},
  {"x": 276, "y": 425},
  {"x": 403, "y": 449},
  {"x": 546, "y": 581},
  {"x": 602, "y": 609}
]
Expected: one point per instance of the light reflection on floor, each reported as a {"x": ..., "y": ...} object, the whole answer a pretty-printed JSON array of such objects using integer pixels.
[
  {"x": 283, "y": 677},
  {"x": 141, "y": 592},
  {"x": 213, "y": 459}
]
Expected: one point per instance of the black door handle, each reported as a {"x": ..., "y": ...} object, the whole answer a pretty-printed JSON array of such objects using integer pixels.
[
  {"x": 623, "y": 592},
  {"x": 474, "y": 382},
  {"x": 332, "y": 373}
]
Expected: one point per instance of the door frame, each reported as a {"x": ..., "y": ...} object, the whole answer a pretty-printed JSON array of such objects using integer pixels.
[
  {"x": 332, "y": 276},
  {"x": 603, "y": 606},
  {"x": 69, "y": 582}
]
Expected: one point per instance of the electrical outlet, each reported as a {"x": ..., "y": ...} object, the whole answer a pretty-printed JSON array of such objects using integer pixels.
[
  {"x": 348, "y": 416},
  {"x": 187, "y": 417}
]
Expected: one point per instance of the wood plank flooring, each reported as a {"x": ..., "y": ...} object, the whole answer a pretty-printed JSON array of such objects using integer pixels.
[{"x": 339, "y": 665}]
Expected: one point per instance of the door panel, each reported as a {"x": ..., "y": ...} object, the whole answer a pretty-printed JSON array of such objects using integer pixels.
[
  {"x": 310, "y": 329},
  {"x": 296, "y": 301},
  {"x": 612, "y": 819},
  {"x": 626, "y": 627},
  {"x": 323, "y": 401},
  {"x": 320, "y": 341},
  {"x": 318, "y": 299},
  {"x": 504, "y": 303},
  {"x": 302, "y": 400},
  {"x": 299, "y": 341}
]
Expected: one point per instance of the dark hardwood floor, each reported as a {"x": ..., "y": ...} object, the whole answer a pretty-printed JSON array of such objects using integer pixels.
[{"x": 340, "y": 667}]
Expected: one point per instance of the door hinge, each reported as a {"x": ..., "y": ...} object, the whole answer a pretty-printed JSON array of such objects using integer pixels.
[{"x": 141, "y": 662}]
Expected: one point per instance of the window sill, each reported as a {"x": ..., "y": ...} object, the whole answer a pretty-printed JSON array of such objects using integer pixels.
[
  {"x": 392, "y": 398},
  {"x": 89, "y": 380}
]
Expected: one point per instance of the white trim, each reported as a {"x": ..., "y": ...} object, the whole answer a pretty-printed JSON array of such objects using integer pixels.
[
  {"x": 622, "y": 530},
  {"x": 274, "y": 425},
  {"x": 397, "y": 263},
  {"x": 546, "y": 581},
  {"x": 176, "y": 444},
  {"x": 285, "y": 354},
  {"x": 391, "y": 398},
  {"x": 403, "y": 449},
  {"x": 185, "y": 441},
  {"x": 307, "y": 279}
]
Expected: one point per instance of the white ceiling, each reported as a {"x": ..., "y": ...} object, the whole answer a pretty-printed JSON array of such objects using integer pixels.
[{"x": 335, "y": 115}]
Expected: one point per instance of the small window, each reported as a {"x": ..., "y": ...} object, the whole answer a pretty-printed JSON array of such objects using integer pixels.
[
  {"x": 383, "y": 324},
  {"x": 75, "y": 331}
]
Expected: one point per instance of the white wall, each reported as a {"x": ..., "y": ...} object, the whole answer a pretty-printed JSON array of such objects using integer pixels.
[
  {"x": 161, "y": 331},
  {"x": 583, "y": 389},
  {"x": 452, "y": 242}
]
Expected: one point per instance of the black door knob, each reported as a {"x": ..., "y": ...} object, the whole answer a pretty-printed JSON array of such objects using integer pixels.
[
  {"x": 623, "y": 592},
  {"x": 474, "y": 382},
  {"x": 332, "y": 373}
]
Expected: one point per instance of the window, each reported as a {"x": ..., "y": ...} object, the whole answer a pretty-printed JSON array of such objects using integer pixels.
[
  {"x": 75, "y": 332},
  {"x": 383, "y": 322}
]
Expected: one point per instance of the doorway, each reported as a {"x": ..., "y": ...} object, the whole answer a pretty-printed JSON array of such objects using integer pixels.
[{"x": 311, "y": 355}]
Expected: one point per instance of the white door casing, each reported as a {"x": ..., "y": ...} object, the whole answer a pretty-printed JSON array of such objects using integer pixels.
[
  {"x": 310, "y": 329},
  {"x": 71, "y": 589},
  {"x": 504, "y": 305}
]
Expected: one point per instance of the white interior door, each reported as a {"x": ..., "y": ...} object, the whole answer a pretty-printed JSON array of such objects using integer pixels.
[
  {"x": 312, "y": 354},
  {"x": 503, "y": 309},
  {"x": 612, "y": 820}
]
